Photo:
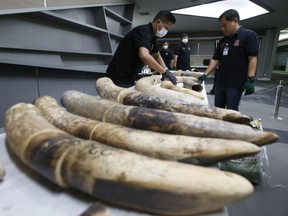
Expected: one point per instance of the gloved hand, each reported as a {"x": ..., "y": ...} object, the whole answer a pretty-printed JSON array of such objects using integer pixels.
[
  {"x": 202, "y": 78},
  {"x": 169, "y": 76},
  {"x": 249, "y": 86}
]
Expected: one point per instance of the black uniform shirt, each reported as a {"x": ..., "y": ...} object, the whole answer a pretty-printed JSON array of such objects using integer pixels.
[
  {"x": 232, "y": 53},
  {"x": 167, "y": 56},
  {"x": 183, "y": 52},
  {"x": 126, "y": 63}
]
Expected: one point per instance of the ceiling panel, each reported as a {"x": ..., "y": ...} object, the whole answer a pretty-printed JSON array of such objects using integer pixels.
[
  {"x": 276, "y": 19},
  {"x": 145, "y": 10}
]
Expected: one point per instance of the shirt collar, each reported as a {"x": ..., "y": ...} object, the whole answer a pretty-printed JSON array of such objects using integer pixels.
[
  {"x": 238, "y": 30},
  {"x": 151, "y": 29}
]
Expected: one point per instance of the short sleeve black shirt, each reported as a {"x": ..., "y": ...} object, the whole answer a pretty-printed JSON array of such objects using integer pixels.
[
  {"x": 183, "y": 52},
  {"x": 167, "y": 56},
  {"x": 126, "y": 63},
  {"x": 232, "y": 53}
]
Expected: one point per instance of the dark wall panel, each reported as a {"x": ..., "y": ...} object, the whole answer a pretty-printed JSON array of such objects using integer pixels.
[
  {"x": 55, "y": 82},
  {"x": 25, "y": 84},
  {"x": 17, "y": 84},
  {"x": 89, "y": 81}
]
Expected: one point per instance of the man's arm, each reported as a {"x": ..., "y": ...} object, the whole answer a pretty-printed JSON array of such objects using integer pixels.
[
  {"x": 252, "y": 65},
  {"x": 172, "y": 63},
  {"x": 157, "y": 64},
  {"x": 211, "y": 67},
  {"x": 151, "y": 61},
  {"x": 249, "y": 87},
  {"x": 175, "y": 61},
  {"x": 171, "y": 56},
  {"x": 157, "y": 56}
]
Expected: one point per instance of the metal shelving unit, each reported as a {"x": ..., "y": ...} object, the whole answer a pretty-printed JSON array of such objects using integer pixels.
[{"x": 50, "y": 51}]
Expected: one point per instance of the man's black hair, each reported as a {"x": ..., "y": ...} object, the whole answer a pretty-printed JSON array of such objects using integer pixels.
[
  {"x": 230, "y": 15},
  {"x": 165, "y": 16},
  {"x": 184, "y": 35}
]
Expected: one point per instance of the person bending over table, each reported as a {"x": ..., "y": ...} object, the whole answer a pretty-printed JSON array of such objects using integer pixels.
[{"x": 139, "y": 48}]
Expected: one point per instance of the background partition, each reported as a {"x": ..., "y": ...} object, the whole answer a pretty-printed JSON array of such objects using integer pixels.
[{"x": 51, "y": 51}]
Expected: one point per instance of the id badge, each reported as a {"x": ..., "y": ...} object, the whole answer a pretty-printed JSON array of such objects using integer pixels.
[{"x": 225, "y": 50}]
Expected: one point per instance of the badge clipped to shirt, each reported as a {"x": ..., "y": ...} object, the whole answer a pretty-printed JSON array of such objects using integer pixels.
[
  {"x": 226, "y": 49},
  {"x": 236, "y": 43}
]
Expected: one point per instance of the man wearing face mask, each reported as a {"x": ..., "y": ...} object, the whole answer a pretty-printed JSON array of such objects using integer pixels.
[
  {"x": 182, "y": 54},
  {"x": 167, "y": 55},
  {"x": 139, "y": 48}
]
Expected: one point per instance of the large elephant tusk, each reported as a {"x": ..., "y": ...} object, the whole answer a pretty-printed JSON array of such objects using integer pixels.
[
  {"x": 204, "y": 151},
  {"x": 192, "y": 74},
  {"x": 147, "y": 86},
  {"x": 160, "y": 121},
  {"x": 118, "y": 176},
  {"x": 108, "y": 90},
  {"x": 190, "y": 83},
  {"x": 169, "y": 85}
]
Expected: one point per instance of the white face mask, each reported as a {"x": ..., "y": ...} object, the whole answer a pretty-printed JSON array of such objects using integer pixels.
[
  {"x": 162, "y": 32},
  {"x": 165, "y": 46},
  {"x": 185, "y": 40}
]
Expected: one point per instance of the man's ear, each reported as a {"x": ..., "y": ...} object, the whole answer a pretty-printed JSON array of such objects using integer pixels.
[{"x": 158, "y": 21}]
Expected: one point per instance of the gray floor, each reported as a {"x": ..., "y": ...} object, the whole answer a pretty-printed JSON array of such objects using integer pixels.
[{"x": 271, "y": 196}]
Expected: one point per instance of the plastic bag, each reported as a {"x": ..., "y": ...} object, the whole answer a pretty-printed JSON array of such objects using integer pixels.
[{"x": 250, "y": 167}]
